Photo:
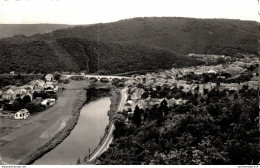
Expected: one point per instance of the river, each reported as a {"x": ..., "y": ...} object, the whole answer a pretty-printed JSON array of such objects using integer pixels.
[{"x": 86, "y": 134}]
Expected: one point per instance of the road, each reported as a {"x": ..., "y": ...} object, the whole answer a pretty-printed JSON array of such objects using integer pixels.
[{"x": 109, "y": 137}]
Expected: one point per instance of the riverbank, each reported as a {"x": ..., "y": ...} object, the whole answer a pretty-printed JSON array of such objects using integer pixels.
[
  {"x": 30, "y": 139},
  {"x": 59, "y": 137},
  {"x": 118, "y": 100},
  {"x": 115, "y": 98}
]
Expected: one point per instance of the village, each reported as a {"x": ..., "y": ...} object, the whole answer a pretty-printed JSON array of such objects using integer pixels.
[
  {"x": 18, "y": 102},
  {"x": 229, "y": 77}
]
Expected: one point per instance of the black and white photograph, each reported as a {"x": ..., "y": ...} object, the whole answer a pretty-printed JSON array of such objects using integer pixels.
[{"x": 129, "y": 82}]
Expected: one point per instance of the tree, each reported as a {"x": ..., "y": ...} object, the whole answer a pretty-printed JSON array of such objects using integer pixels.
[
  {"x": 119, "y": 121},
  {"x": 145, "y": 95},
  {"x": 205, "y": 91},
  {"x": 235, "y": 96},
  {"x": 164, "y": 107},
  {"x": 56, "y": 75},
  {"x": 140, "y": 85},
  {"x": 26, "y": 99},
  {"x": 221, "y": 61},
  {"x": 137, "y": 116}
]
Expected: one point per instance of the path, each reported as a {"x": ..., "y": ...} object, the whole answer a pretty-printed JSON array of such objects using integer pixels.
[{"x": 109, "y": 137}]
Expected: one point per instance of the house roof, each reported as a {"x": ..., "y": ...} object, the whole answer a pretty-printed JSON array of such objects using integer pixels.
[
  {"x": 23, "y": 111},
  {"x": 48, "y": 76},
  {"x": 212, "y": 71},
  {"x": 127, "y": 104}
]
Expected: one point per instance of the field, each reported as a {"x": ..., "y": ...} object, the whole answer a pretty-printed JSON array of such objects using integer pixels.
[{"x": 22, "y": 141}]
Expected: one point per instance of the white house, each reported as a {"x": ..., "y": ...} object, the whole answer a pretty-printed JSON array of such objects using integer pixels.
[
  {"x": 48, "y": 102},
  {"x": 130, "y": 105},
  {"x": 22, "y": 114},
  {"x": 212, "y": 72},
  {"x": 56, "y": 88},
  {"x": 49, "y": 77}
]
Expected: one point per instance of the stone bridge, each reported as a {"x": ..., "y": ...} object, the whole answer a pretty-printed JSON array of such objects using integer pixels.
[{"x": 98, "y": 77}]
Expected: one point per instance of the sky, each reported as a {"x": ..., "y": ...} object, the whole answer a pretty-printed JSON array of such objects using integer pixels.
[{"x": 103, "y": 11}]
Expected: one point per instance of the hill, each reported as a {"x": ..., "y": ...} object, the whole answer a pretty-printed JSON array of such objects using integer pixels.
[
  {"x": 73, "y": 54},
  {"x": 9, "y": 30},
  {"x": 127, "y": 45},
  {"x": 181, "y": 35}
]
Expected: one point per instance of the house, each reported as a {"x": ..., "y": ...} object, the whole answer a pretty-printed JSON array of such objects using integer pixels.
[
  {"x": 179, "y": 101},
  {"x": 21, "y": 114},
  {"x": 38, "y": 88},
  {"x": 1, "y": 107},
  {"x": 56, "y": 88},
  {"x": 253, "y": 84},
  {"x": 49, "y": 77},
  {"x": 48, "y": 102},
  {"x": 27, "y": 94},
  {"x": 142, "y": 104},
  {"x": 234, "y": 87},
  {"x": 20, "y": 91},
  {"x": 49, "y": 87},
  {"x": 130, "y": 105},
  {"x": 38, "y": 82},
  {"x": 12, "y": 73},
  {"x": 37, "y": 100},
  {"x": 127, "y": 107},
  {"x": 228, "y": 58},
  {"x": 137, "y": 94},
  {"x": 27, "y": 87},
  {"x": 221, "y": 77},
  {"x": 212, "y": 72},
  {"x": 8, "y": 95},
  {"x": 233, "y": 70},
  {"x": 171, "y": 102},
  {"x": 49, "y": 83}
]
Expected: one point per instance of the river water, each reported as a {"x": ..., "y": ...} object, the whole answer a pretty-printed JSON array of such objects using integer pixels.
[{"x": 86, "y": 134}]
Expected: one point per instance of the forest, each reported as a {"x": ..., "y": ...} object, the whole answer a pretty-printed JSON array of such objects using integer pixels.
[{"x": 127, "y": 45}]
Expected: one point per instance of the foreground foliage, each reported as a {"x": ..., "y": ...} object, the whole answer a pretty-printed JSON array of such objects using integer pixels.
[{"x": 223, "y": 131}]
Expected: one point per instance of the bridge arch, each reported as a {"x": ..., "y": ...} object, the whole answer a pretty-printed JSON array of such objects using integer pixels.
[
  {"x": 104, "y": 80},
  {"x": 93, "y": 79}
]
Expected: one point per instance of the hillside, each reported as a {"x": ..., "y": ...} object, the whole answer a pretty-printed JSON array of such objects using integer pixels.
[
  {"x": 217, "y": 130},
  {"x": 73, "y": 54},
  {"x": 9, "y": 30},
  {"x": 127, "y": 45},
  {"x": 181, "y": 35}
]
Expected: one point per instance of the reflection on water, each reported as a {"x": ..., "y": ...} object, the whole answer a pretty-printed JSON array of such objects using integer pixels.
[{"x": 91, "y": 126}]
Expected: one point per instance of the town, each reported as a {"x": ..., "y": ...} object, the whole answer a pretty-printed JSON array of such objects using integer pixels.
[
  {"x": 188, "y": 113},
  {"x": 18, "y": 102},
  {"x": 145, "y": 91},
  {"x": 228, "y": 76}
]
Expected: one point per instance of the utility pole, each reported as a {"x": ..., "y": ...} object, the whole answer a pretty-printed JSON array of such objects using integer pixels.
[{"x": 89, "y": 153}]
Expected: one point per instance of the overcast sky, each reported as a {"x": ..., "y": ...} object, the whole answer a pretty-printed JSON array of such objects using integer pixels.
[{"x": 96, "y": 11}]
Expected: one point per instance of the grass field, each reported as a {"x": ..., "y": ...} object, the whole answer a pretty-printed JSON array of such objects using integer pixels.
[{"x": 22, "y": 141}]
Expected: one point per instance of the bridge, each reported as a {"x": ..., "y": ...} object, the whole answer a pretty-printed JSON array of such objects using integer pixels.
[{"x": 98, "y": 77}]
